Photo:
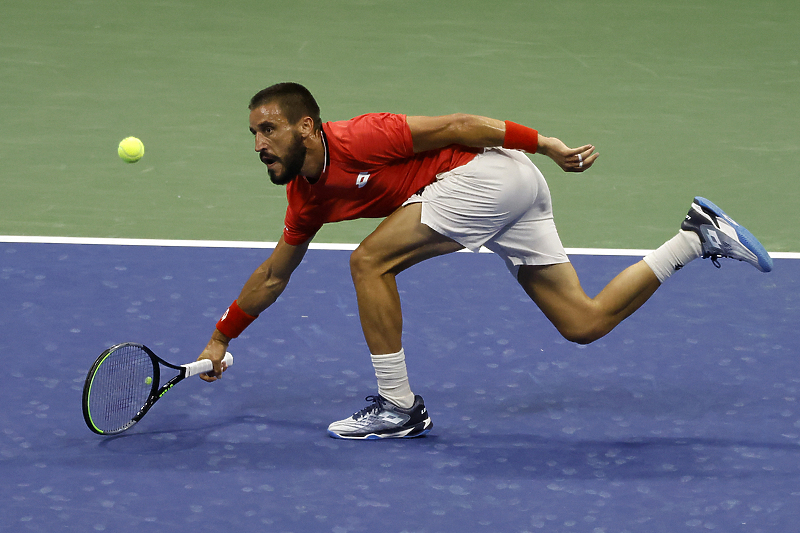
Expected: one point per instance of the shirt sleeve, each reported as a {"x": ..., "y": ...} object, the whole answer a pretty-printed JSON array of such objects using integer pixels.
[
  {"x": 297, "y": 231},
  {"x": 296, "y": 237},
  {"x": 300, "y": 222},
  {"x": 376, "y": 138}
]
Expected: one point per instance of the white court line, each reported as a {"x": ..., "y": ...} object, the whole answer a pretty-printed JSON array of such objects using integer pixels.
[{"x": 313, "y": 246}]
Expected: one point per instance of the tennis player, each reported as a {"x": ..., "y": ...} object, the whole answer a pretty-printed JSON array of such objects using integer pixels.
[{"x": 443, "y": 183}]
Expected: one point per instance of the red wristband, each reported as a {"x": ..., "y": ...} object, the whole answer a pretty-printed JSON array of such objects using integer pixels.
[
  {"x": 520, "y": 137},
  {"x": 234, "y": 321}
]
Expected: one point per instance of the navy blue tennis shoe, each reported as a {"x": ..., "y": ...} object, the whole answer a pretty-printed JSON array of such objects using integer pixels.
[{"x": 384, "y": 420}]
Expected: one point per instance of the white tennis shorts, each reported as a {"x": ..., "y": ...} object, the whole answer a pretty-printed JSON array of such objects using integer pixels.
[{"x": 499, "y": 200}]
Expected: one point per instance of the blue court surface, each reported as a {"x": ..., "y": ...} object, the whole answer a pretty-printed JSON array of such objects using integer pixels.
[{"x": 685, "y": 418}]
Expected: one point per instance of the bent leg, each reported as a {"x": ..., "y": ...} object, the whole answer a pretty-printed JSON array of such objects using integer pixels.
[
  {"x": 399, "y": 242},
  {"x": 557, "y": 291}
]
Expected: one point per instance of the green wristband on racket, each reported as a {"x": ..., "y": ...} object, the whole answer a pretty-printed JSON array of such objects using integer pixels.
[
  {"x": 519, "y": 137},
  {"x": 234, "y": 321}
]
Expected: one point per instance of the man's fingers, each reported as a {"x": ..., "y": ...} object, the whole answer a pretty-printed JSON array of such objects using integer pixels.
[
  {"x": 583, "y": 151},
  {"x": 581, "y": 159},
  {"x": 216, "y": 373},
  {"x": 208, "y": 377},
  {"x": 588, "y": 161}
]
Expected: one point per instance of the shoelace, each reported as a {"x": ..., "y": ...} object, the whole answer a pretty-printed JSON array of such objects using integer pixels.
[{"x": 377, "y": 404}]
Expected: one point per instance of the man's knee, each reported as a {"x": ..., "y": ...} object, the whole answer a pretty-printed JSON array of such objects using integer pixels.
[
  {"x": 363, "y": 262},
  {"x": 583, "y": 332},
  {"x": 580, "y": 336}
]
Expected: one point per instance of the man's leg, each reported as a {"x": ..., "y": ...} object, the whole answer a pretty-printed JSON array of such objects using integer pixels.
[
  {"x": 705, "y": 232},
  {"x": 397, "y": 243},
  {"x": 579, "y": 318}
]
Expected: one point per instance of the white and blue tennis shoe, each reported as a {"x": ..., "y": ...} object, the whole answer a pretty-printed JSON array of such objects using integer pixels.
[
  {"x": 384, "y": 420},
  {"x": 721, "y": 236}
]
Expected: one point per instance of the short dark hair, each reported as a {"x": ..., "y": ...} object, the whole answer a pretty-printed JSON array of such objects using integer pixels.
[{"x": 294, "y": 100}]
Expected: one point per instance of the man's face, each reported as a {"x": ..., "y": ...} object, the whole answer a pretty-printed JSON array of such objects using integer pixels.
[{"x": 278, "y": 143}]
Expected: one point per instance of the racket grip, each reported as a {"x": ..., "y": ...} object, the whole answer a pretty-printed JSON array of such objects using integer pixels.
[{"x": 205, "y": 365}]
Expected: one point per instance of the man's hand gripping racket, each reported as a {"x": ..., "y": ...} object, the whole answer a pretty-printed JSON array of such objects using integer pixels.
[
  {"x": 215, "y": 352},
  {"x": 123, "y": 384}
]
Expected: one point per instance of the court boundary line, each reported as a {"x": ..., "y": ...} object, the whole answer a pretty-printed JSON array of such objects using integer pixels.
[{"x": 114, "y": 241}]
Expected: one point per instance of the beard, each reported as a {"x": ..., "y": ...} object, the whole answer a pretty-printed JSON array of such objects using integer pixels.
[{"x": 292, "y": 163}]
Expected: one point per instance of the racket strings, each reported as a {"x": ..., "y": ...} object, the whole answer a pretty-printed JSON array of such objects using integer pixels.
[{"x": 120, "y": 388}]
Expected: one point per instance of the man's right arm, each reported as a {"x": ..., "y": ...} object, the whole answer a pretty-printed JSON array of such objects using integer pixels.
[
  {"x": 259, "y": 292},
  {"x": 433, "y": 133}
]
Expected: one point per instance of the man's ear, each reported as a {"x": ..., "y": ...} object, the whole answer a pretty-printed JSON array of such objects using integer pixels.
[{"x": 307, "y": 127}]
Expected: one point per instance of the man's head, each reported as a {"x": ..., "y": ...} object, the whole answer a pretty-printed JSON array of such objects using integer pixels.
[
  {"x": 281, "y": 117},
  {"x": 294, "y": 100}
]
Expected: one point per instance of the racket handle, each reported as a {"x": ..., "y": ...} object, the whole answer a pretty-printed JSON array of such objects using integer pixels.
[{"x": 205, "y": 365}]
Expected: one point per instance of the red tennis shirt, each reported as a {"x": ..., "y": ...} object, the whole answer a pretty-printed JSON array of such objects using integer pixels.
[{"x": 370, "y": 170}]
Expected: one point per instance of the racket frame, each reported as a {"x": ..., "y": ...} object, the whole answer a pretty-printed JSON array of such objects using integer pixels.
[{"x": 156, "y": 392}]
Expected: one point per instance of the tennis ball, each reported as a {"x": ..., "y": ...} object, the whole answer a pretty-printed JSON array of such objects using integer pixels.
[
  {"x": 148, "y": 380},
  {"x": 130, "y": 149}
]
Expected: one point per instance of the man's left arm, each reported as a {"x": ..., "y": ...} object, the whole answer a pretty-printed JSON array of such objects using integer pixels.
[{"x": 433, "y": 133}]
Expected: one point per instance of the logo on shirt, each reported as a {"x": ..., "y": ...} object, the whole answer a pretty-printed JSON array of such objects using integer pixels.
[{"x": 362, "y": 179}]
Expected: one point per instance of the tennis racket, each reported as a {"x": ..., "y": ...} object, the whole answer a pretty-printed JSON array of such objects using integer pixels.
[{"x": 123, "y": 384}]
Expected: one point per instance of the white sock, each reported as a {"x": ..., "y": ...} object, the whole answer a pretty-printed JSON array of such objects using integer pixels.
[
  {"x": 390, "y": 369},
  {"x": 674, "y": 254}
]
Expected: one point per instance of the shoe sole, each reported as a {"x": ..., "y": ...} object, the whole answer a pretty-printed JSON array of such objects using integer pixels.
[{"x": 745, "y": 237}]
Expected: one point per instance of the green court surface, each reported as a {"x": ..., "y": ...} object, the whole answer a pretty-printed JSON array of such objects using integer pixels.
[{"x": 681, "y": 98}]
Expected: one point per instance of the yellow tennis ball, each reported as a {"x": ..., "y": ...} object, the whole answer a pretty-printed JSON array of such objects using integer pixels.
[
  {"x": 130, "y": 149},
  {"x": 148, "y": 380}
]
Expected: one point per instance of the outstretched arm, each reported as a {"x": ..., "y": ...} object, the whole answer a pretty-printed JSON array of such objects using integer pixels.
[
  {"x": 260, "y": 291},
  {"x": 432, "y": 133}
]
